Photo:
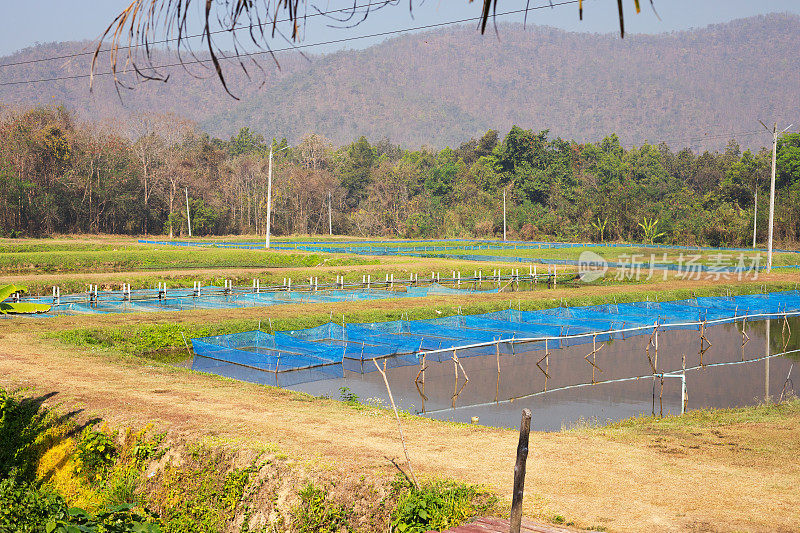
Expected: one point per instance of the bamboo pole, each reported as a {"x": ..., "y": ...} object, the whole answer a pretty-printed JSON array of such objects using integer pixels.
[{"x": 397, "y": 417}]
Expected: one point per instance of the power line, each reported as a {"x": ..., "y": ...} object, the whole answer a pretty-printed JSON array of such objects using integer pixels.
[
  {"x": 295, "y": 47},
  {"x": 215, "y": 32}
]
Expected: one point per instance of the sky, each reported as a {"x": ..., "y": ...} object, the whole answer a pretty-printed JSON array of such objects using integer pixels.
[{"x": 38, "y": 21}]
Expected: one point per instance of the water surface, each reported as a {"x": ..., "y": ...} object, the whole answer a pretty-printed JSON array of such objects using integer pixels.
[{"x": 484, "y": 396}]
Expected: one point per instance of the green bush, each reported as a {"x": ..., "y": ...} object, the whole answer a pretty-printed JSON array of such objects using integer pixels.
[
  {"x": 119, "y": 519},
  {"x": 201, "y": 496},
  {"x": 25, "y": 506},
  {"x": 437, "y": 505},
  {"x": 30, "y": 507},
  {"x": 348, "y": 396},
  {"x": 96, "y": 453}
]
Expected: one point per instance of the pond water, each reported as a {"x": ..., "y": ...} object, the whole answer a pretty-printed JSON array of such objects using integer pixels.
[{"x": 486, "y": 397}]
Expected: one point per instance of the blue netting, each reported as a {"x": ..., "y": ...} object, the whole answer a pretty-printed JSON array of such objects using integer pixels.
[
  {"x": 212, "y": 297},
  {"x": 330, "y": 349},
  {"x": 446, "y": 247}
]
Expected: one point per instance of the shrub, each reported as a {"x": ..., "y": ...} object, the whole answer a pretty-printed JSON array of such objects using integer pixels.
[
  {"x": 201, "y": 495},
  {"x": 437, "y": 505},
  {"x": 119, "y": 519},
  {"x": 25, "y": 506},
  {"x": 348, "y": 396},
  {"x": 95, "y": 454}
]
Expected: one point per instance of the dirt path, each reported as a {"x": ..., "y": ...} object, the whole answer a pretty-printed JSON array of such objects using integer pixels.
[{"x": 617, "y": 483}]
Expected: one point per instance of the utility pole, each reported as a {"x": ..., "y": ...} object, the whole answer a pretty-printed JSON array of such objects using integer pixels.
[
  {"x": 755, "y": 212},
  {"x": 504, "y": 215},
  {"x": 188, "y": 218},
  {"x": 269, "y": 194},
  {"x": 330, "y": 219},
  {"x": 772, "y": 190}
]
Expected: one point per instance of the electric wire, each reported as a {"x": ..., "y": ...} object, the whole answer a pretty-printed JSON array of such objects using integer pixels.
[
  {"x": 288, "y": 48},
  {"x": 195, "y": 36}
]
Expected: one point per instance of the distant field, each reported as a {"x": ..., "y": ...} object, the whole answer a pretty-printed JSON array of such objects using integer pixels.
[
  {"x": 634, "y": 254},
  {"x": 622, "y": 254},
  {"x": 73, "y": 262},
  {"x": 37, "y": 258}
]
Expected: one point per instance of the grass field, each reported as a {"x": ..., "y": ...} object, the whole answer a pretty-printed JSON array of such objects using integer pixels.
[
  {"x": 728, "y": 470},
  {"x": 125, "y": 255},
  {"x": 637, "y": 254},
  {"x": 144, "y": 257}
]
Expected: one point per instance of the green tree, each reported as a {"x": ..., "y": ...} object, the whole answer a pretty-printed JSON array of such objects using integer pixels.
[
  {"x": 356, "y": 169},
  {"x": 441, "y": 177},
  {"x": 742, "y": 178},
  {"x": 247, "y": 142},
  {"x": 788, "y": 159}
]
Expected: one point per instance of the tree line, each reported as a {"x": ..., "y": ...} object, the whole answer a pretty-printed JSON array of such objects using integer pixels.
[{"x": 61, "y": 175}]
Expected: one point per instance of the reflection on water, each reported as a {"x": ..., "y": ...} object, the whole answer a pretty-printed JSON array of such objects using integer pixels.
[{"x": 722, "y": 386}]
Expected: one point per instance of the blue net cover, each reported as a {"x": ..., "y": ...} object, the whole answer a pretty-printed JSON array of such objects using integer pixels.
[{"x": 330, "y": 349}]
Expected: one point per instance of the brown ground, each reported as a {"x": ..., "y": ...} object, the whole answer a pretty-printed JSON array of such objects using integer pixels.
[{"x": 742, "y": 476}]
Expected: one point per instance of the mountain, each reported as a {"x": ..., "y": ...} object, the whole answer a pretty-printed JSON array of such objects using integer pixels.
[{"x": 691, "y": 88}]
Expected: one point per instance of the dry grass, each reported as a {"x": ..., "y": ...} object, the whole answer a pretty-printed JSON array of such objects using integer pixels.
[
  {"x": 738, "y": 477},
  {"x": 618, "y": 478},
  {"x": 718, "y": 474}
]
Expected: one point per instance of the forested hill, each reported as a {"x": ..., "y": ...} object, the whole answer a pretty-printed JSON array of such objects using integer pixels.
[{"x": 438, "y": 88}]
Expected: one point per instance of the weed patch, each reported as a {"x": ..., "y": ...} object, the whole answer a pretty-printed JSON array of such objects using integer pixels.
[
  {"x": 438, "y": 505},
  {"x": 202, "y": 495},
  {"x": 317, "y": 514}
]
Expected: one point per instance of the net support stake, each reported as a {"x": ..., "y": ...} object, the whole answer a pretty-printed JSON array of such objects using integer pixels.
[
  {"x": 420, "y": 380},
  {"x": 497, "y": 357},
  {"x": 651, "y": 342},
  {"x": 745, "y": 336},
  {"x": 786, "y": 327},
  {"x": 397, "y": 417},
  {"x": 593, "y": 355},
  {"x": 546, "y": 358},
  {"x": 786, "y": 383},
  {"x": 186, "y": 344},
  {"x": 684, "y": 394},
  {"x": 703, "y": 342}
]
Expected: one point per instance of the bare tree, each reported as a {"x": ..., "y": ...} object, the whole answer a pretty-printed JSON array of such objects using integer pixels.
[
  {"x": 155, "y": 135},
  {"x": 314, "y": 152}
]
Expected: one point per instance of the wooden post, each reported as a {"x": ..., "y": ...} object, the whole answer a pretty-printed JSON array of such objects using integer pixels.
[
  {"x": 519, "y": 472},
  {"x": 684, "y": 395},
  {"x": 455, "y": 384},
  {"x": 423, "y": 383},
  {"x": 497, "y": 355}
]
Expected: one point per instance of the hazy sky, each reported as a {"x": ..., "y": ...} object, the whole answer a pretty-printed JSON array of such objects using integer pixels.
[{"x": 38, "y": 21}]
